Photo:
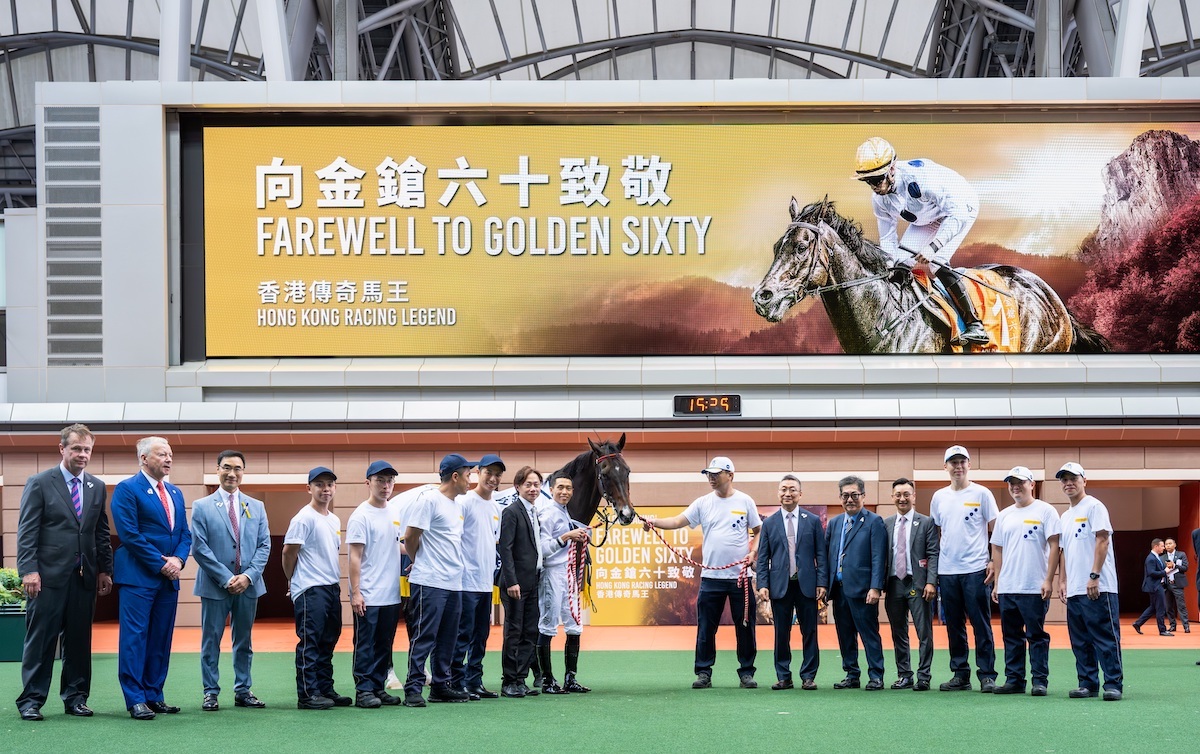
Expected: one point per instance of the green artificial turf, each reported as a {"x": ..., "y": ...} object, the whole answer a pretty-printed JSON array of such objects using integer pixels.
[{"x": 641, "y": 701}]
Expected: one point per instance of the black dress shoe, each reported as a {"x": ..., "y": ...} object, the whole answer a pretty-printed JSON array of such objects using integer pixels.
[
  {"x": 847, "y": 683},
  {"x": 550, "y": 687},
  {"x": 1009, "y": 688},
  {"x": 483, "y": 693},
  {"x": 875, "y": 684},
  {"x": 79, "y": 709},
  {"x": 249, "y": 700},
  {"x": 447, "y": 694},
  {"x": 516, "y": 691},
  {"x": 1137, "y": 627},
  {"x": 921, "y": 686},
  {"x": 314, "y": 702},
  {"x": 32, "y": 714},
  {"x": 210, "y": 703},
  {"x": 956, "y": 684},
  {"x": 1165, "y": 633},
  {"x": 162, "y": 708},
  {"x": 903, "y": 683},
  {"x": 141, "y": 712}
]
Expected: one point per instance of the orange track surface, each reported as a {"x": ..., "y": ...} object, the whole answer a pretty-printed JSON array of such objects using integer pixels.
[{"x": 280, "y": 636}]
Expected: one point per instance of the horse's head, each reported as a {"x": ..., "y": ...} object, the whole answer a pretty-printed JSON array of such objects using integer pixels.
[
  {"x": 613, "y": 474},
  {"x": 799, "y": 266}
]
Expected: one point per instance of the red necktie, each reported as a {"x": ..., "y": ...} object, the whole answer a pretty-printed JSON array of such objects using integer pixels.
[
  {"x": 237, "y": 539},
  {"x": 162, "y": 495}
]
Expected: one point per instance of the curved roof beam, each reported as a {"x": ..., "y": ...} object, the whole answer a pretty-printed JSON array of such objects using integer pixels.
[
  {"x": 39, "y": 42},
  {"x": 606, "y": 56},
  {"x": 727, "y": 38}
]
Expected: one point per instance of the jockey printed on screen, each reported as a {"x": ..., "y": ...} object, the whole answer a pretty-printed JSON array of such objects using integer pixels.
[{"x": 939, "y": 206}]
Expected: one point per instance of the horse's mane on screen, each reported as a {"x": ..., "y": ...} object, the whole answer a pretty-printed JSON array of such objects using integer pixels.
[{"x": 850, "y": 231}]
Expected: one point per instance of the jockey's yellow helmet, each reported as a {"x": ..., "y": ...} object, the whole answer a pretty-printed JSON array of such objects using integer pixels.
[{"x": 873, "y": 158}]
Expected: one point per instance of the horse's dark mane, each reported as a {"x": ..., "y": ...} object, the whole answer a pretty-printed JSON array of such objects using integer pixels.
[
  {"x": 581, "y": 469},
  {"x": 850, "y": 231}
]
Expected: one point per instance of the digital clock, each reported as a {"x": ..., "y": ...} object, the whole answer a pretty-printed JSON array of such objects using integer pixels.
[{"x": 708, "y": 405}]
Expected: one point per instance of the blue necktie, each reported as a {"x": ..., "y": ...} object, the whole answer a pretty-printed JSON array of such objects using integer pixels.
[{"x": 842, "y": 547}]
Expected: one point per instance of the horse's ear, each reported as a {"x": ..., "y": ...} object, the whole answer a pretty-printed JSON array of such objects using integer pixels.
[
  {"x": 794, "y": 209},
  {"x": 594, "y": 447},
  {"x": 621, "y": 443}
]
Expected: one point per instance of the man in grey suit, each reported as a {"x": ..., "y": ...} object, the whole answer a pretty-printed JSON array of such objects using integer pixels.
[
  {"x": 64, "y": 556},
  {"x": 231, "y": 542},
  {"x": 911, "y": 584},
  {"x": 792, "y": 573},
  {"x": 857, "y": 570},
  {"x": 1177, "y": 564}
]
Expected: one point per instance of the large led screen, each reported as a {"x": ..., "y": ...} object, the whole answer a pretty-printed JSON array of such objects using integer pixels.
[{"x": 365, "y": 240}]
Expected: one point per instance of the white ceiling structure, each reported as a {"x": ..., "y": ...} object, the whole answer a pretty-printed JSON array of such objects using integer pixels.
[{"x": 103, "y": 40}]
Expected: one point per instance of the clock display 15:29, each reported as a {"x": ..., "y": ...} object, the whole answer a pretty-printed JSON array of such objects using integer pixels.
[{"x": 708, "y": 405}]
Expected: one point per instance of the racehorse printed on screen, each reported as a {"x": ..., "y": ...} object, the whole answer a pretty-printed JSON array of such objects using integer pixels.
[{"x": 823, "y": 253}]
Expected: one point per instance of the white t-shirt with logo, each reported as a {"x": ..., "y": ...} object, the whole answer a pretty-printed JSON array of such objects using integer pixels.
[
  {"x": 320, "y": 538},
  {"x": 481, "y": 530},
  {"x": 726, "y": 523},
  {"x": 439, "y": 561},
  {"x": 378, "y": 530},
  {"x": 1024, "y": 535},
  {"x": 1080, "y": 523},
  {"x": 963, "y": 517}
]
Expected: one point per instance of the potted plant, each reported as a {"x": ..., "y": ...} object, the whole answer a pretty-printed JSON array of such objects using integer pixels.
[{"x": 12, "y": 616}]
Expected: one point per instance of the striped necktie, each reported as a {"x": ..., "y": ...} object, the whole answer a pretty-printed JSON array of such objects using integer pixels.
[{"x": 77, "y": 497}]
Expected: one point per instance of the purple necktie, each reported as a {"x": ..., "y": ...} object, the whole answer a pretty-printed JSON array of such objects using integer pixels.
[{"x": 77, "y": 497}]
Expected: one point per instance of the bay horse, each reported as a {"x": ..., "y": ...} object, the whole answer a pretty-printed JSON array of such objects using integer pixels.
[
  {"x": 823, "y": 253},
  {"x": 599, "y": 474}
]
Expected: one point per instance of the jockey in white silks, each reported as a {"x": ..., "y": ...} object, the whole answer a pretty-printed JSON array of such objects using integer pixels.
[{"x": 939, "y": 206}]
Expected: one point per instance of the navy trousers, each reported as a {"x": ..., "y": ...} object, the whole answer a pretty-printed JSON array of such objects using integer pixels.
[
  {"x": 1157, "y": 610},
  {"x": 854, "y": 618},
  {"x": 965, "y": 597},
  {"x": 374, "y": 636},
  {"x": 318, "y": 611},
  {"x": 1022, "y": 623},
  {"x": 795, "y": 605},
  {"x": 710, "y": 603},
  {"x": 474, "y": 626},
  {"x": 434, "y": 615},
  {"x": 1095, "y": 629}
]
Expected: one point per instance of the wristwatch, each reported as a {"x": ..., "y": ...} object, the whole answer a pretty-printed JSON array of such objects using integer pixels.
[{"x": 1094, "y": 576}]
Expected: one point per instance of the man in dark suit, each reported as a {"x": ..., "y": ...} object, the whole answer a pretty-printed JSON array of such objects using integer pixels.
[
  {"x": 150, "y": 519},
  {"x": 857, "y": 568},
  {"x": 792, "y": 573},
  {"x": 520, "y": 566},
  {"x": 1155, "y": 573},
  {"x": 1176, "y": 562},
  {"x": 911, "y": 585},
  {"x": 232, "y": 543},
  {"x": 64, "y": 557}
]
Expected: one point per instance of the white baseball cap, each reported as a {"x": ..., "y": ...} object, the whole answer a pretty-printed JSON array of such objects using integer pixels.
[
  {"x": 1019, "y": 472},
  {"x": 719, "y": 464},
  {"x": 1070, "y": 467},
  {"x": 956, "y": 450}
]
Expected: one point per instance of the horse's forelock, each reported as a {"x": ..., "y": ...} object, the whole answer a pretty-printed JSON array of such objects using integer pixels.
[{"x": 850, "y": 231}]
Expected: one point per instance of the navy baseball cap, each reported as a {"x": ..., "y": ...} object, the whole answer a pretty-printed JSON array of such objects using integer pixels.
[
  {"x": 380, "y": 467},
  {"x": 453, "y": 462},
  {"x": 319, "y": 472},
  {"x": 491, "y": 459}
]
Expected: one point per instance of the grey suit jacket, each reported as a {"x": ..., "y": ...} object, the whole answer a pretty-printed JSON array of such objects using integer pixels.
[
  {"x": 52, "y": 541},
  {"x": 212, "y": 545},
  {"x": 923, "y": 548}
]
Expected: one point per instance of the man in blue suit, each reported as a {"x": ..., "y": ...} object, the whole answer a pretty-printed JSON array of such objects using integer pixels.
[
  {"x": 232, "y": 543},
  {"x": 792, "y": 574},
  {"x": 148, "y": 515},
  {"x": 858, "y": 549},
  {"x": 1154, "y": 573}
]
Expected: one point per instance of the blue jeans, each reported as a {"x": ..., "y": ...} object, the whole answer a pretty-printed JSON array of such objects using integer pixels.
[
  {"x": 1022, "y": 622},
  {"x": 710, "y": 603}
]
